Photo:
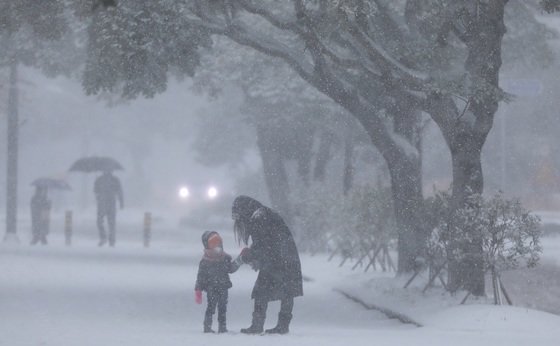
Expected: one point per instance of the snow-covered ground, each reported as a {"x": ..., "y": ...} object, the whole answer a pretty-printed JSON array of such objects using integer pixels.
[{"x": 84, "y": 295}]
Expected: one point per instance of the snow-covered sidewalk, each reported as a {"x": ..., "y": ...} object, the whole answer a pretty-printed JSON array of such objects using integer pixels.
[
  {"x": 129, "y": 295},
  {"x": 535, "y": 293}
]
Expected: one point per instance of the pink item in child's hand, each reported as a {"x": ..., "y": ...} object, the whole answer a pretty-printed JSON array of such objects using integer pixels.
[{"x": 198, "y": 296}]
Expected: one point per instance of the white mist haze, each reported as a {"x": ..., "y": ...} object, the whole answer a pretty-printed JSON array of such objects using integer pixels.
[
  {"x": 151, "y": 138},
  {"x": 403, "y": 155}
]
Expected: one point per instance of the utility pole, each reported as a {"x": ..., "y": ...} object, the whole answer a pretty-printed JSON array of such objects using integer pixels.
[{"x": 12, "y": 162}]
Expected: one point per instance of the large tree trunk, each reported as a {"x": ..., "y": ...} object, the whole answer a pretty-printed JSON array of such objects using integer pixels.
[
  {"x": 483, "y": 63},
  {"x": 406, "y": 187},
  {"x": 465, "y": 130},
  {"x": 467, "y": 181},
  {"x": 465, "y": 142},
  {"x": 12, "y": 156},
  {"x": 405, "y": 169}
]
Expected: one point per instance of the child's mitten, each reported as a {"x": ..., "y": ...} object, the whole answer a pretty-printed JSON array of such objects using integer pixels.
[{"x": 198, "y": 296}]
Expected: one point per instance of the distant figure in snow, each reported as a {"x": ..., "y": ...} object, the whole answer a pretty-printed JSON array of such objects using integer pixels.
[
  {"x": 107, "y": 190},
  {"x": 213, "y": 277},
  {"x": 273, "y": 253},
  {"x": 40, "y": 215}
]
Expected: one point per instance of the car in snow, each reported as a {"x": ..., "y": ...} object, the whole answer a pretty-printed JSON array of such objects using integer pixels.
[
  {"x": 208, "y": 193},
  {"x": 204, "y": 206}
]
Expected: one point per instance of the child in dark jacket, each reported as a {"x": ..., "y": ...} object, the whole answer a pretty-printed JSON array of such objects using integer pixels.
[{"x": 213, "y": 277}]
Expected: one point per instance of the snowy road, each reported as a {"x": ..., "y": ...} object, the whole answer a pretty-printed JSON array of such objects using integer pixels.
[
  {"x": 133, "y": 296},
  {"x": 84, "y": 295}
]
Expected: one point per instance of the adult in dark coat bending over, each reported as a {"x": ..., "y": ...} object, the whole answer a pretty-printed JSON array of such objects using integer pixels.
[{"x": 274, "y": 255}]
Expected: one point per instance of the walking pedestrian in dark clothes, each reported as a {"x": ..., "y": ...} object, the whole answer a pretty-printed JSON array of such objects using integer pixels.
[
  {"x": 107, "y": 190},
  {"x": 274, "y": 254},
  {"x": 213, "y": 277},
  {"x": 40, "y": 215}
]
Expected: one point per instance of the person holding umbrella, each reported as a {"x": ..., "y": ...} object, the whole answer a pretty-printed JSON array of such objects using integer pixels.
[
  {"x": 107, "y": 190},
  {"x": 40, "y": 215},
  {"x": 41, "y": 207}
]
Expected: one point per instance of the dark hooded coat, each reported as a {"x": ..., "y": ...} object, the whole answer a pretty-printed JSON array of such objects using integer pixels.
[
  {"x": 273, "y": 251},
  {"x": 214, "y": 269},
  {"x": 213, "y": 272}
]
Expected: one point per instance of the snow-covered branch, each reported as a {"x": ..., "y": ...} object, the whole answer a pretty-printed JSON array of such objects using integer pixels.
[
  {"x": 275, "y": 20},
  {"x": 265, "y": 44},
  {"x": 385, "y": 61}
]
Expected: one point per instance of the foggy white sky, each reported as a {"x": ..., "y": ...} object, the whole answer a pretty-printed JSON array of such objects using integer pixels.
[{"x": 61, "y": 124}]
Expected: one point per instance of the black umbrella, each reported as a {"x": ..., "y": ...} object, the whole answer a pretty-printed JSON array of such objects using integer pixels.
[
  {"x": 96, "y": 164},
  {"x": 51, "y": 183}
]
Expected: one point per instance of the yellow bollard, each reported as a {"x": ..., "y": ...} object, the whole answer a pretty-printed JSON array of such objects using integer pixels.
[
  {"x": 68, "y": 227},
  {"x": 147, "y": 228}
]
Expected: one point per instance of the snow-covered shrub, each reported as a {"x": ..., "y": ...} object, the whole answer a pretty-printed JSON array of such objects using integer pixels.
[
  {"x": 510, "y": 234},
  {"x": 436, "y": 211},
  {"x": 507, "y": 233},
  {"x": 436, "y": 249}
]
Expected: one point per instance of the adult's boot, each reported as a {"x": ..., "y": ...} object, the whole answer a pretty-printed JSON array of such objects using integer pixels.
[
  {"x": 257, "y": 324},
  {"x": 283, "y": 326}
]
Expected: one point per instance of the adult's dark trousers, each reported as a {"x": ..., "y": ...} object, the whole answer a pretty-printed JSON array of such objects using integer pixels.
[
  {"x": 109, "y": 214},
  {"x": 216, "y": 298},
  {"x": 259, "y": 315},
  {"x": 40, "y": 229},
  {"x": 261, "y": 305}
]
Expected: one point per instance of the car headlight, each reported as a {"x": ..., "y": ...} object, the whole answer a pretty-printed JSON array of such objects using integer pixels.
[
  {"x": 212, "y": 192},
  {"x": 184, "y": 192}
]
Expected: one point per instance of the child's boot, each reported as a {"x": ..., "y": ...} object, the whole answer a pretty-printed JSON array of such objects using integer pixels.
[
  {"x": 208, "y": 325},
  {"x": 222, "y": 324}
]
